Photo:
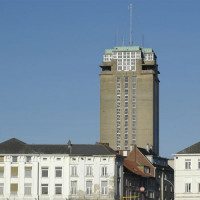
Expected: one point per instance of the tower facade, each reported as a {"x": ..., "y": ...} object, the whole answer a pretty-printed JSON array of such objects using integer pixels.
[{"x": 129, "y": 98}]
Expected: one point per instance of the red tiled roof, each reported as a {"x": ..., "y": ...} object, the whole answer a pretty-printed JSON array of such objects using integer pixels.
[{"x": 132, "y": 166}]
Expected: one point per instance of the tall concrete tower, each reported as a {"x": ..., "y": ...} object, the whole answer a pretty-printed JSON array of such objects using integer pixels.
[{"x": 129, "y": 98}]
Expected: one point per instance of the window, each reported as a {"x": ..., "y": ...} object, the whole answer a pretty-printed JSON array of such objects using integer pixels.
[
  {"x": 14, "y": 159},
  {"x": 44, "y": 188},
  {"x": 73, "y": 170},
  {"x": 147, "y": 169},
  {"x": 58, "y": 171},
  {"x": 198, "y": 187},
  {"x": 28, "y": 158},
  {"x": 44, "y": 159},
  {"x": 165, "y": 176},
  {"x": 1, "y": 188},
  {"x": 150, "y": 182},
  {"x": 58, "y": 188},
  {"x": 73, "y": 187},
  {"x": 88, "y": 187},
  {"x": 88, "y": 171},
  {"x": 187, "y": 187},
  {"x": 104, "y": 190},
  {"x": 28, "y": 172},
  {"x": 187, "y": 163},
  {"x": 14, "y": 171},
  {"x": 171, "y": 189},
  {"x": 103, "y": 171},
  {"x": 13, "y": 188},
  {"x": 1, "y": 172},
  {"x": 44, "y": 171},
  {"x": 198, "y": 163},
  {"x": 151, "y": 195},
  {"x": 165, "y": 188},
  {"x": 27, "y": 188},
  {"x": 1, "y": 158}
]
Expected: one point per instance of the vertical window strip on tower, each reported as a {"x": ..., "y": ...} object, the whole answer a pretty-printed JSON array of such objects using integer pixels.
[
  {"x": 133, "y": 110},
  {"x": 118, "y": 112},
  {"x": 126, "y": 96}
]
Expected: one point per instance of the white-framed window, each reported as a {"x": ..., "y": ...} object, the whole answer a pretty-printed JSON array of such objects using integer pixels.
[
  {"x": 45, "y": 171},
  {"x": 198, "y": 187},
  {"x": 1, "y": 172},
  {"x": 58, "y": 188},
  {"x": 198, "y": 163},
  {"x": 107, "y": 57},
  {"x": 88, "y": 170},
  {"x": 73, "y": 170},
  {"x": 13, "y": 188},
  {"x": 104, "y": 187},
  {"x": 126, "y": 61},
  {"x": 187, "y": 163},
  {"x": 148, "y": 56},
  {"x": 104, "y": 171},
  {"x": 27, "y": 188},
  {"x": 58, "y": 171},
  {"x": 44, "y": 188},
  {"x": 187, "y": 187},
  {"x": 14, "y": 172},
  {"x": 14, "y": 158},
  {"x": 1, "y": 188},
  {"x": 73, "y": 187},
  {"x": 28, "y": 172},
  {"x": 88, "y": 187}
]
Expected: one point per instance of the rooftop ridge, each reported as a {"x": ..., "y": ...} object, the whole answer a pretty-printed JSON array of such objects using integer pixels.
[{"x": 129, "y": 48}]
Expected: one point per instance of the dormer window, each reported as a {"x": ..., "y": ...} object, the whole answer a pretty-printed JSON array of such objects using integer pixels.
[{"x": 147, "y": 169}]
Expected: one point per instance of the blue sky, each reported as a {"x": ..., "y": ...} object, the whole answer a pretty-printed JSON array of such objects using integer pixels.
[{"x": 50, "y": 52}]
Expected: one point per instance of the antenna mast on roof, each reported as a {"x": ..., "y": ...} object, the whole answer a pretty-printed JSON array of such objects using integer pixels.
[{"x": 131, "y": 28}]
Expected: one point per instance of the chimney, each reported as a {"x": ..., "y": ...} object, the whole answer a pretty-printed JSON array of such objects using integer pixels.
[
  {"x": 147, "y": 147},
  {"x": 69, "y": 145}
]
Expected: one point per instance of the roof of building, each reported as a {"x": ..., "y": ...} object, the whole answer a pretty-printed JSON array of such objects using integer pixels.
[
  {"x": 195, "y": 148},
  {"x": 133, "y": 167},
  {"x": 144, "y": 151},
  {"x": 129, "y": 48},
  {"x": 15, "y": 146}
]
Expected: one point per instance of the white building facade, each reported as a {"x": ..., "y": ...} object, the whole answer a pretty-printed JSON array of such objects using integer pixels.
[
  {"x": 187, "y": 173},
  {"x": 59, "y": 172}
]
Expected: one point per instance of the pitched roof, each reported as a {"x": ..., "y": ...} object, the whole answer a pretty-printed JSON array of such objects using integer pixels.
[
  {"x": 195, "y": 148},
  {"x": 133, "y": 167},
  {"x": 15, "y": 146},
  {"x": 145, "y": 152}
]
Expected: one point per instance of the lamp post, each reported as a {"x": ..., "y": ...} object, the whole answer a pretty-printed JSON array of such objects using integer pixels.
[{"x": 142, "y": 190}]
